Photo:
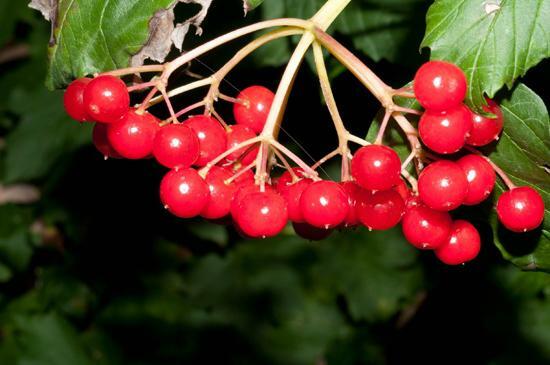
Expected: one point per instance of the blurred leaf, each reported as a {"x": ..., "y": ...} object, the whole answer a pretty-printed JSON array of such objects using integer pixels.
[
  {"x": 47, "y": 339},
  {"x": 210, "y": 232},
  {"x": 10, "y": 12},
  {"x": 377, "y": 272},
  {"x": 5, "y": 275},
  {"x": 44, "y": 134},
  {"x": 249, "y": 5},
  {"x": 94, "y": 36},
  {"x": 16, "y": 250},
  {"x": 494, "y": 42}
]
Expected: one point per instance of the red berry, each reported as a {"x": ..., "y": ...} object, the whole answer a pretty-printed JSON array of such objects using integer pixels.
[
  {"x": 245, "y": 178},
  {"x": 221, "y": 193},
  {"x": 243, "y": 190},
  {"x": 236, "y": 135},
  {"x": 73, "y": 99},
  {"x": 381, "y": 209},
  {"x": 309, "y": 232},
  {"x": 443, "y": 185},
  {"x": 106, "y": 99},
  {"x": 99, "y": 138},
  {"x": 425, "y": 228},
  {"x": 461, "y": 246},
  {"x": 286, "y": 178},
  {"x": 133, "y": 135},
  {"x": 520, "y": 209},
  {"x": 376, "y": 167},
  {"x": 354, "y": 191},
  {"x": 176, "y": 145},
  {"x": 184, "y": 193},
  {"x": 212, "y": 137},
  {"x": 253, "y": 111},
  {"x": 324, "y": 204},
  {"x": 485, "y": 130},
  {"x": 439, "y": 85},
  {"x": 262, "y": 214},
  {"x": 445, "y": 132},
  {"x": 481, "y": 178},
  {"x": 292, "y": 193}
]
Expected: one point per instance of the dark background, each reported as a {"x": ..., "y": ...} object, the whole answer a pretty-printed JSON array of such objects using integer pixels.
[{"x": 98, "y": 272}]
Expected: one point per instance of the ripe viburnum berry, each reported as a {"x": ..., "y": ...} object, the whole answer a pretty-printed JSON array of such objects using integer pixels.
[
  {"x": 324, "y": 204},
  {"x": 462, "y": 245},
  {"x": 445, "y": 132},
  {"x": 439, "y": 85},
  {"x": 309, "y": 232},
  {"x": 73, "y": 99},
  {"x": 101, "y": 142},
  {"x": 481, "y": 178},
  {"x": 243, "y": 190},
  {"x": 221, "y": 193},
  {"x": 443, "y": 185},
  {"x": 380, "y": 209},
  {"x": 253, "y": 110},
  {"x": 520, "y": 209},
  {"x": 106, "y": 99},
  {"x": 376, "y": 167},
  {"x": 236, "y": 135},
  {"x": 485, "y": 130},
  {"x": 176, "y": 145},
  {"x": 184, "y": 193},
  {"x": 261, "y": 214},
  {"x": 133, "y": 135},
  {"x": 425, "y": 228},
  {"x": 292, "y": 193},
  {"x": 211, "y": 135},
  {"x": 354, "y": 191}
]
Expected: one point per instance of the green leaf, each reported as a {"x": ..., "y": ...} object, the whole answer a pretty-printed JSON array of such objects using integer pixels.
[
  {"x": 494, "y": 42},
  {"x": 94, "y": 36},
  {"x": 47, "y": 339},
  {"x": 16, "y": 250},
  {"x": 5, "y": 274},
  {"x": 44, "y": 134},
  {"x": 523, "y": 152},
  {"x": 249, "y": 5},
  {"x": 380, "y": 29}
]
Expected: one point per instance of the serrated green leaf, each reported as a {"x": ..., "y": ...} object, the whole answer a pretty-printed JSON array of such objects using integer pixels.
[
  {"x": 94, "y": 36},
  {"x": 523, "y": 152},
  {"x": 44, "y": 134},
  {"x": 494, "y": 42}
]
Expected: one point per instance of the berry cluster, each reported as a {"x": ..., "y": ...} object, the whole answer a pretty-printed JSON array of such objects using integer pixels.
[{"x": 211, "y": 167}]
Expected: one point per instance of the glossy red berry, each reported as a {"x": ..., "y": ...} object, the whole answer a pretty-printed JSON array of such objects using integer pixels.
[
  {"x": 101, "y": 142},
  {"x": 184, "y": 193},
  {"x": 73, "y": 99},
  {"x": 262, "y": 214},
  {"x": 481, "y": 178},
  {"x": 244, "y": 189},
  {"x": 486, "y": 130},
  {"x": 354, "y": 192},
  {"x": 286, "y": 178},
  {"x": 308, "y": 232},
  {"x": 236, "y": 135},
  {"x": 221, "y": 193},
  {"x": 176, "y": 145},
  {"x": 403, "y": 190},
  {"x": 211, "y": 135},
  {"x": 381, "y": 209},
  {"x": 324, "y": 204},
  {"x": 253, "y": 110},
  {"x": 462, "y": 245},
  {"x": 244, "y": 178},
  {"x": 425, "y": 228},
  {"x": 439, "y": 85},
  {"x": 443, "y": 185},
  {"x": 106, "y": 99},
  {"x": 376, "y": 167},
  {"x": 445, "y": 132},
  {"x": 520, "y": 209},
  {"x": 292, "y": 193},
  {"x": 133, "y": 135}
]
